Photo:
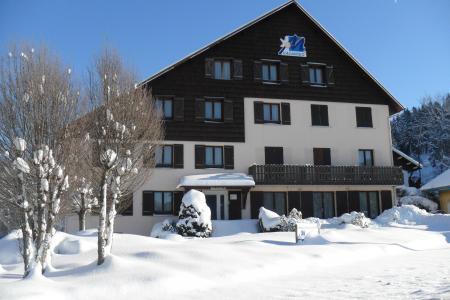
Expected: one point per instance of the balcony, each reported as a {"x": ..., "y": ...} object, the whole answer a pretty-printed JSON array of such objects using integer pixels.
[{"x": 325, "y": 175}]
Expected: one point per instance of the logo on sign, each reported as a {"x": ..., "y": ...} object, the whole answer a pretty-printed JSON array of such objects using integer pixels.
[{"x": 293, "y": 45}]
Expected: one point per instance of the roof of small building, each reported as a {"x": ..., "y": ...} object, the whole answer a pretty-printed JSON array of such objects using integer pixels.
[
  {"x": 408, "y": 158},
  {"x": 440, "y": 182},
  {"x": 217, "y": 180}
]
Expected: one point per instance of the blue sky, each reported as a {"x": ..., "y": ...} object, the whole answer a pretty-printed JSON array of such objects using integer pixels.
[{"x": 405, "y": 44}]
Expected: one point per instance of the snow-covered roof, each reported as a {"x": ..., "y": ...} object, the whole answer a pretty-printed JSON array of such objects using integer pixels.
[
  {"x": 398, "y": 105},
  {"x": 440, "y": 182},
  {"x": 218, "y": 180},
  {"x": 409, "y": 158}
]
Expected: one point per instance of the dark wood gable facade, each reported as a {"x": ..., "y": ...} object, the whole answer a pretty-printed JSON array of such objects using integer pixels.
[{"x": 190, "y": 81}]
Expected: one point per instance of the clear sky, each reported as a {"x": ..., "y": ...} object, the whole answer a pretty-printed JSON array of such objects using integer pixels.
[{"x": 405, "y": 44}]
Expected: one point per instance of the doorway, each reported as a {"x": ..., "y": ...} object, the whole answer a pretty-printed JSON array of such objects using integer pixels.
[{"x": 216, "y": 202}]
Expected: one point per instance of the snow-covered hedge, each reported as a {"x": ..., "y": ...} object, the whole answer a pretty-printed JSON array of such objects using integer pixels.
[
  {"x": 355, "y": 218},
  {"x": 271, "y": 221},
  {"x": 195, "y": 215},
  {"x": 420, "y": 202}
]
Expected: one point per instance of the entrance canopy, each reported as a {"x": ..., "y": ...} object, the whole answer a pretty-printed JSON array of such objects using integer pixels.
[{"x": 238, "y": 180}]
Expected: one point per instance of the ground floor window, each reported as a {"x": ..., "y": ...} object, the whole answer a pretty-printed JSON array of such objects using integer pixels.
[
  {"x": 275, "y": 201},
  {"x": 163, "y": 202},
  {"x": 368, "y": 204},
  {"x": 323, "y": 205}
]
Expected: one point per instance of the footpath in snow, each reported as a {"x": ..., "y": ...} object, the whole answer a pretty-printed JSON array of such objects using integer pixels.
[{"x": 404, "y": 255}]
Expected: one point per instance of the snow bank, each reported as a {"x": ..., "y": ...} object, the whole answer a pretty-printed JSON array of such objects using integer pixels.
[
  {"x": 420, "y": 202},
  {"x": 195, "y": 215},
  {"x": 9, "y": 248},
  {"x": 233, "y": 227},
  {"x": 70, "y": 246}
]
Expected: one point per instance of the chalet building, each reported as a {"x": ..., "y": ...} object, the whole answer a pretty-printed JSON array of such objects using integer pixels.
[{"x": 275, "y": 114}]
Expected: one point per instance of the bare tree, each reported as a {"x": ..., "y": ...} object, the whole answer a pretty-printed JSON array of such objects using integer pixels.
[
  {"x": 123, "y": 127},
  {"x": 37, "y": 102},
  {"x": 83, "y": 199}
]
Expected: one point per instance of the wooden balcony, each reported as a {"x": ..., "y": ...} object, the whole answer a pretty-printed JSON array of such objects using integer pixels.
[{"x": 325, "y": 175}]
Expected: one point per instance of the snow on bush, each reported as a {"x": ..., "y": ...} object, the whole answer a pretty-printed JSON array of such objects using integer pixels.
[
  {"x": 271, "y": 221},
  {"x": 354, "y": 218},
  {"x": 420, "y": 202},
  {"x": 195, "y": 215},
  {"x": 405, "y": 214},
  {"x": 162, "y": 229}
]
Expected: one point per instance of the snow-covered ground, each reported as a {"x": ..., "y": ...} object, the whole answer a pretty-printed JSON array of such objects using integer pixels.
[{"x": 407, "y": 259}]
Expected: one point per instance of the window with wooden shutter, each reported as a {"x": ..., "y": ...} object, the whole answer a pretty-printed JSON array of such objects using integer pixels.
[
  {"x": 256, "y": 201},
  {"x": 178, "y": 109},
  {"x": 319, "y": 115},
  {"x": 285, "y": 114},
  {"x": 322, "y": 156},
  {"x": 199, "y": 156},
  {"x": 386, "y": 200},
  {"x": 363, "y": 116},
  {"x": 229, "y": 157},
  {"x": 284, "y": 73},
  {"x": 341, "y": 203},
  {"x": 306, "y": 200},
  {"x": 148, "y": 203},
  {"x": 330, "y": 75},
  {"x": 304, "y": 74},
  {"x": 353, "y": 201},
  {"x": 228, "y": 110},
  {"x": 257, "y": 70},
  {"x": 258, "y": 112},
  {"x": 178, "y": 156},
  {"x": 273, "y": 155},
  {"x": 237, "y": 69},
  {"x": 199, "y": 109},
  {"x": 209, "y": 67}
]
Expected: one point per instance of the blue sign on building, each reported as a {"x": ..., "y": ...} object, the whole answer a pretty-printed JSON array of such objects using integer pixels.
[{"x": 293, "y": 45}]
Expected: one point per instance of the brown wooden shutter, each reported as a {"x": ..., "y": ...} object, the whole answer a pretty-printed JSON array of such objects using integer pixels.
[
  {"x": 256, "y": 201},
  {"x": 341, "y": 203},
  {"x": 257, "y": 70},
  {"x": 284, "y": 73},
  {"x": 273, "y": 155},
  {"x": 237, "y": 69},
  {"x": 148, "y": 203},
  {"x": 228, "y": 110},
  {"x": 322, "y": 156},
  {"x": 178, "y": 109},
  {"x": 199, "y": 156},
  {"x": 363, "y": 116},
  {"x": 229, "y": 157},
  {"x": 209, "y": 67},
  {"x": 353, "y": 201},
  {"x": 324, "y": 115},
  {"x": 258, "y": 112},
  {"x": 386, "y": 200},
  {"x": 285, "y": 114},
  {"x": 304, "y": 74},
  {"x": 294, "y": 201},
  {"x": 178, "y": 156},
  {"x": 307, "y": 204},
  {"x": 177, "y": 197},
  {"x": 199, "y": 109},
  {"x": 330, "y": 75}
]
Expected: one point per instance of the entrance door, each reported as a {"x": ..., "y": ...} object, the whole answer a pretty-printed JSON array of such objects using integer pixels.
[
  {"x": 216, "y": 202},
  {"x": 235, "y": 210}
]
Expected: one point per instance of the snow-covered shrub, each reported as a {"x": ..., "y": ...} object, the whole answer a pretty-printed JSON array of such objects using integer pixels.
[
  {"x": 162, "y": 229},
  {"x": 355, "y": 218},
  {"x": 405, "y": 214},
  {"x": 195, "y": 215},
  {"x": 420, "y": 202},
  {"x": 271, "y": 221}
]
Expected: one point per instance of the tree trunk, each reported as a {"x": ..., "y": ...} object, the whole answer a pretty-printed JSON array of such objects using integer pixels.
[
  {"x": 27, "y": 234},
  {"x": 110, "y": 224},
  {"x": 102, "y": 221},
  {"x": 82, "y": 220}
]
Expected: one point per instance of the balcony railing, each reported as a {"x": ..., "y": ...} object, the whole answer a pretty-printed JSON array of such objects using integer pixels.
[{"x": 325, "y": 175}]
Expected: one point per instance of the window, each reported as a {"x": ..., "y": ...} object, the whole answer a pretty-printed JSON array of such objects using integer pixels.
[
  {"x": 319, "y": 115},
  {"x": 166, "y": 107},
  {"x": 271, "y": 113},
  {"x": 364, "y": 117},
  {"x": 222, "y": 69},
  {"x": 274, "y": 155},
  {"x": 270, "y": 71},
  {"x": 163, "y": 202},
  {"x": 213, "y": 156},
  {"x": 323, "y": 205},
  {"x": 164, "y": 156},
  {"x": 322, "y": 156},
  {"x": 213, "y": 110},
  {"x": 365, "y": 157},
  {"x": 368, "y": 204},
  {"x": 316, "y": 75},
  {"x": 129, "y": 210},
  {"x": 275, "y": 202}
]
